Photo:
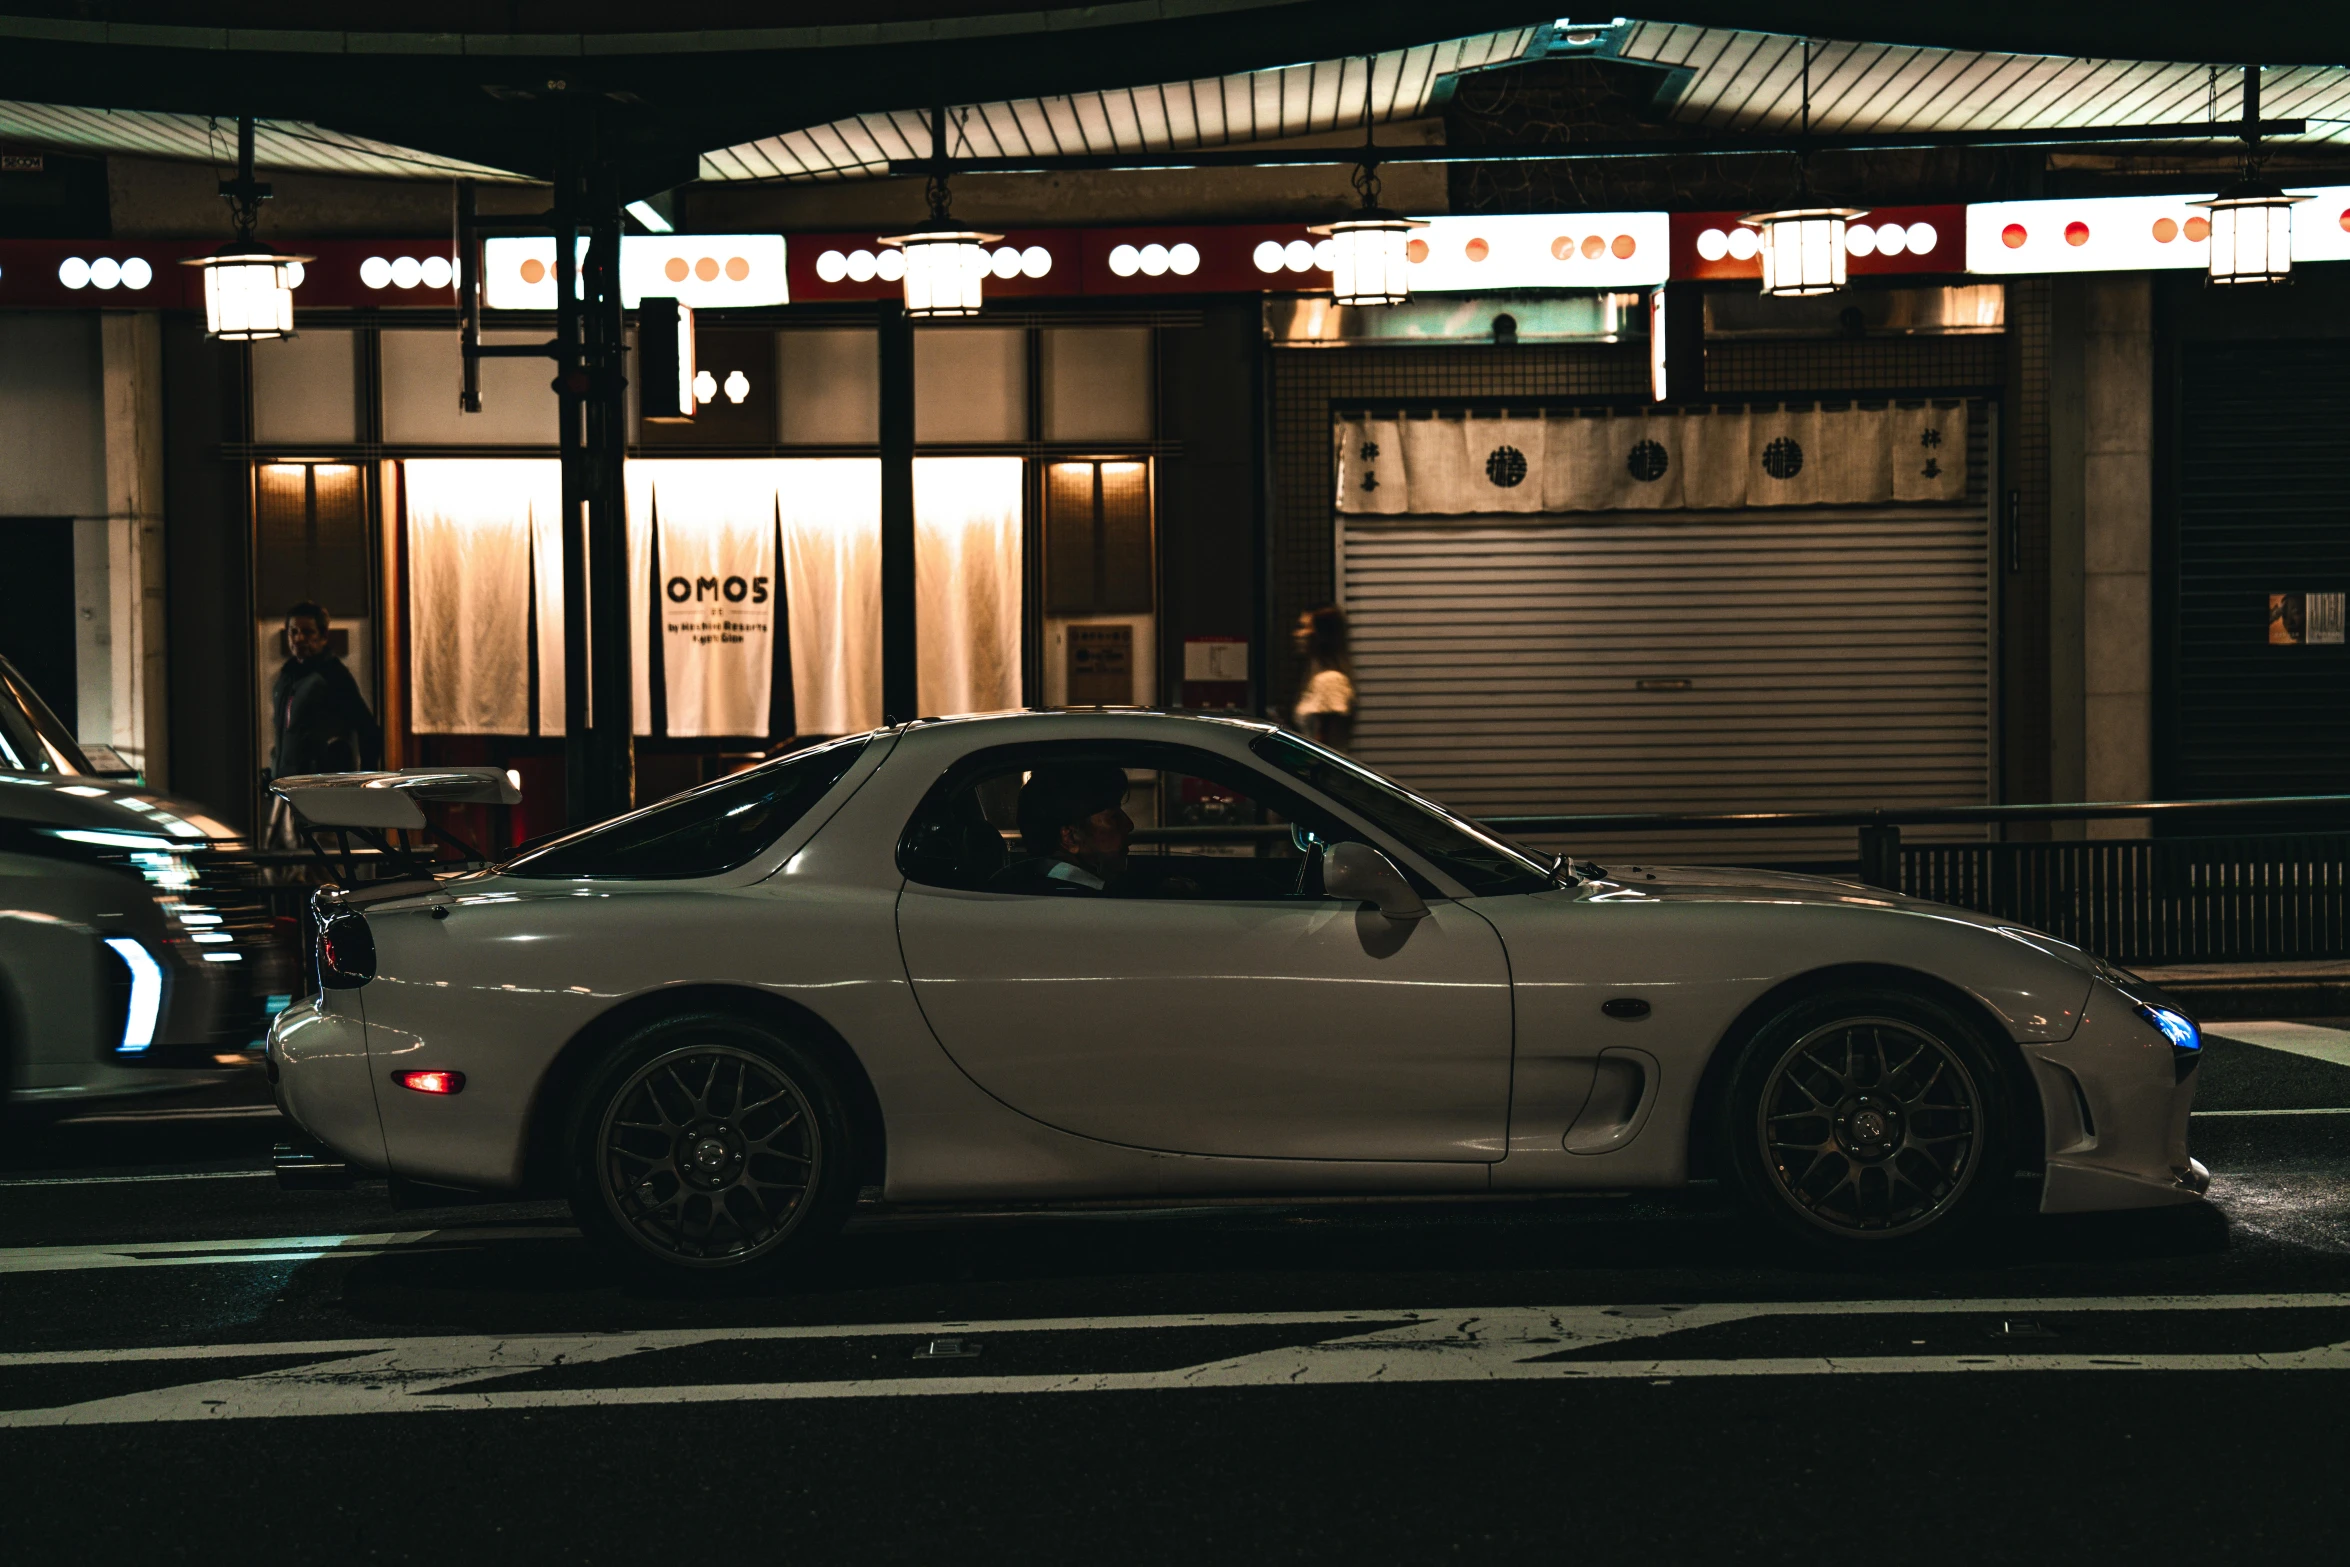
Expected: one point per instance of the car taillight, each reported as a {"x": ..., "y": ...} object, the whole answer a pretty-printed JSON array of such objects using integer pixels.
[
  {"x": 431, "y": 1081},
  {"x": 346, "y": 951}
]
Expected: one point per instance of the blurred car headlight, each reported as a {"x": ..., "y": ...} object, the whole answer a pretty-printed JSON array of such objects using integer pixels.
[
  {"x": 146, "y": 998},
  {"x": 161, "y": 861}
]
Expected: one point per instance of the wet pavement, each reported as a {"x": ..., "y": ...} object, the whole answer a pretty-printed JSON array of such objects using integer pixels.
[{"x": 193, "y": 1362}]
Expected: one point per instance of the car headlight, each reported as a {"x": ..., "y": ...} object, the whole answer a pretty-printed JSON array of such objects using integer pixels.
[{"x": 2176, "y": 1027}]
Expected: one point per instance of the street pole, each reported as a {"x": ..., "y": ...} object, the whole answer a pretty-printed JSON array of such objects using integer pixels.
[
  {"x": 900, "y": 682},
  {"x": 591, "y": 391}
]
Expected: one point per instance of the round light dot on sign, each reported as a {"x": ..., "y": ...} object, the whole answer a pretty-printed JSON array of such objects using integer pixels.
[
  {"x": 1153, "y": 260},
  {"x": 1743, "y": 243},
  {"x": 136, "y": 273},
  {"x": 1035, "y": 261},
  {"x": 1922, "y": 238},
  {"x": 1892, "y": 239},
  {"x": 533, "y": 271},
  {"x": 705, "y": 387},
  {"x": 74, "y": 272},
  {"x": 1268, "y": 256},
  {"x": 2165, "y": 230},
  {"x": 2197, "y": 230},
  {"x": 1325, "y": 255},
  {"x": 1125, "y": 261},
  {"x": 407, "y": 272},
  {"x": 860, "y": 266},
  {"x": 1563, "y": 247},
  {"x": 1183, "y": 260},
  {"x": 1415, "y": 251},
  {"x": 1005, "y": 263},
  {"x": 738, "y": 386},
  {"x": 2013, "y": 236},
  {"x": 1860, "y": 240},
  {"x": 295, "y": 273},
  {"x": 2345, "y": 218},
  {"x": 1476, "y": 250},
  {"x": 1712, "y": 245},
  {"x": 890, "y": 265},
  {"x": 831, "y": 267},
  {"x": 736, "y": 269},
  {"x": 706, "y": 269},
  {"x": 675, "y": 268},
  {"x": 105, "y": 272},
  {"x": 437, "y": 272},
  {"x": 2076, "y": 233},
  {"x": 1593, "y": 247},
  {"x": 1622, "y": 246},
  {"x": 1298, "y": 256}
]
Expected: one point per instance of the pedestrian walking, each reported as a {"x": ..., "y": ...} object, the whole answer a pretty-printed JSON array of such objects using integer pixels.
[
  {"x": 321, "y": 722},
  {"x": 1325, "y": 710}
]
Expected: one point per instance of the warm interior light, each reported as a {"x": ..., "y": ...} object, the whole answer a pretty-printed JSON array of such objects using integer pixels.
[
  {"x": 1802, "y": 249},
  {"x": 434, "y": 1081},
  {"x": 2251, "y": 233}
]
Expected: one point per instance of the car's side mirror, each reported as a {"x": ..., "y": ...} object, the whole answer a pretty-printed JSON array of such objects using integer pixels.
[{"x": 1359, "y": 873}]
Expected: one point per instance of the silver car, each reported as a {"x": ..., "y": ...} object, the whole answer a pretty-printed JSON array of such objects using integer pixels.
[
  {"x": 134, "y": 956},
  {"x": 1060, "y": 956}
]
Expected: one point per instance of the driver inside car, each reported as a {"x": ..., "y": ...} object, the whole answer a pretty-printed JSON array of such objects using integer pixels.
[{"x": 1074, "y": 827}]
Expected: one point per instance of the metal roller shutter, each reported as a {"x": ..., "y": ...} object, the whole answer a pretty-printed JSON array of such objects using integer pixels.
[{"x": 1702, "y": 661}]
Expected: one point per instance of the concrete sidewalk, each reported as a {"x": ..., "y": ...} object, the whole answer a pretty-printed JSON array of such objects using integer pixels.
[{"x": 2217, "y": 992}]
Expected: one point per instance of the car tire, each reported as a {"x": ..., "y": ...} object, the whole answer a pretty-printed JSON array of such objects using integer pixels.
[
  {"x": 710, "y": 1147},
  {"x": 1871, "y": 1121}
]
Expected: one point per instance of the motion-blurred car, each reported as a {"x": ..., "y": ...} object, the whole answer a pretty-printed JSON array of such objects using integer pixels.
[
  {"x": 132, "y": 954},
  {"x": 714, "y": 1021}
]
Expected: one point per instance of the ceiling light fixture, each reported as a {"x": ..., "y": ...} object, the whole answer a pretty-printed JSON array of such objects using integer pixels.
[
  {"x": 248, "y": 287},
  {"x": 1368, "y": 263},
  {"x": 2252, "y": 219},
  {"x": 946, "y": 262},
  {"x": 1803, "y": 245}
]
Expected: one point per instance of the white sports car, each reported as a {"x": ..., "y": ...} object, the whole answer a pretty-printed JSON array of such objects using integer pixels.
[{"x": 1119, "y": 954}]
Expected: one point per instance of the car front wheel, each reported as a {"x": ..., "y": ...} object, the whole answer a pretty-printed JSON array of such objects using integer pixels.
[
  {"x": 709, "y": 1145},
  {"x": 1871, "y": 1119}
]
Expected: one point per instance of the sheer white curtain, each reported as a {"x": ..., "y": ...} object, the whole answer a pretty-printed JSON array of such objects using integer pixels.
[
  {"x": 714, "y": 523},
  {"x": 967, "y": 583},
  {"x": 831, "y": 511},
  {"x": 469, "y": 546}
]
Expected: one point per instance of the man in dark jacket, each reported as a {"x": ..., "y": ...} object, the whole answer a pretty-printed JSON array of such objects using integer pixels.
[{"x": 322, "y": 722}]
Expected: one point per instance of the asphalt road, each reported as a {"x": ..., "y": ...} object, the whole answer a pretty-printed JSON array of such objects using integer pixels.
[{"x": 194, "y": 1364}]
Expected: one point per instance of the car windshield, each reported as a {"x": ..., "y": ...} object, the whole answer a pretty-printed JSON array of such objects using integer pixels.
[
  {"x": 32, "y": 740},
  {"x": 1477, "y": 859},
  {"x": 719, "y": 827}
]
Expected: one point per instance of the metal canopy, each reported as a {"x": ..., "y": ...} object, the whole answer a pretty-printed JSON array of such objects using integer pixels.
[
  {"x": 1220, "y": 111},
  {"x": 1751, "y": 83}
]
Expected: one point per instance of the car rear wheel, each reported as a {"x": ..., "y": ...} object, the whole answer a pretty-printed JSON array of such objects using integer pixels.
[
  {"x": 710, "y": 1146},
  {"x": 1871, "y": 1119}
]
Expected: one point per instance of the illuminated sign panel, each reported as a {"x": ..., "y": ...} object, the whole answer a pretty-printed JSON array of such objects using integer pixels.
[
  {"x": 2133, "y": 233},
  {"x": 1886, "y": 241},
  {"x": 1540, "y": 250},
  {"x": 700, "y": 271}
]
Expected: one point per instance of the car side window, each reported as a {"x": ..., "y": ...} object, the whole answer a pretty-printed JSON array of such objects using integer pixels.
[{"x": 1117, "y": 821}]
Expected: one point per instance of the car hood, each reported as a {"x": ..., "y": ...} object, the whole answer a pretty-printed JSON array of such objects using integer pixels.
[
  {"x": 1746, "y": 884},
  {"x": 87, "y": 804}
]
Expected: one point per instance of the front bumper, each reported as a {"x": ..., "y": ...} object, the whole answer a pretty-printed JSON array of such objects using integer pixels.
[{"x": 2116, "y": 1099}]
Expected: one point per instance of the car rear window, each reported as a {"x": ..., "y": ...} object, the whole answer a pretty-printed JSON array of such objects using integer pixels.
[{"x": 718, "y": 827}]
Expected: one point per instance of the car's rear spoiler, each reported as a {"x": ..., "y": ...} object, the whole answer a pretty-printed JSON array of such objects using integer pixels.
[{"x": 378, "y": 801}]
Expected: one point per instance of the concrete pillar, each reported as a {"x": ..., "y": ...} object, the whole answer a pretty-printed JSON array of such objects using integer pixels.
[
  {"x": 131, "y": 356},
  {"x": 2117, "y": 528},
  {"x": 2101, "y": 524}
]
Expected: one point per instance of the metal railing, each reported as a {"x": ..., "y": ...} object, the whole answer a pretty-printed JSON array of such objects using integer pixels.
[{"x": 2205, "y": 897}]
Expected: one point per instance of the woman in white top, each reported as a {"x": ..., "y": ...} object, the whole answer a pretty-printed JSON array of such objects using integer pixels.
[{"x": 1326, "y": 702}]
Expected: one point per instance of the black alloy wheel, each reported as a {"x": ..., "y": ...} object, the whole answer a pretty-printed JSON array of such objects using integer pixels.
[
  {"x": 710, "y": 1145},
  {"x": 1878, "y": 1119}
]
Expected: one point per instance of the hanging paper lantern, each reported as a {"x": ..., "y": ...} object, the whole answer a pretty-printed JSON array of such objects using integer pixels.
[
  {"x": 2251, "y": 233},
  {"x": 249, "y": 292},
  {"x": 1802, "y": 249},
  {"x": 946, "y": 269},
  {"x": 1369, "y": 264}
]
